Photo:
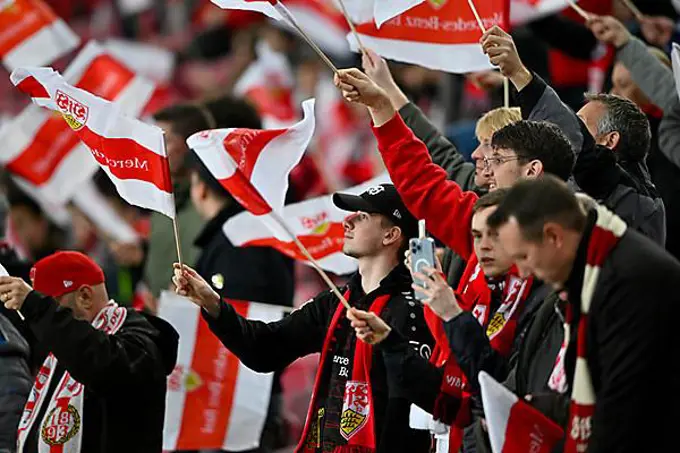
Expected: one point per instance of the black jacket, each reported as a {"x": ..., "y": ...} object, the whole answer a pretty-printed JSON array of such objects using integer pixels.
[
  {"x": 124, "y": 375},
  {"x": 266, "y": 347},
  {"x": 15, "y": 381},
  {"x": 258, "y": 274},
  {"x": 631, "y": 332}
]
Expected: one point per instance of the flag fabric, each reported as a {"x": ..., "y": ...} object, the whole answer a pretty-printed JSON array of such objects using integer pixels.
[
  {"x": 265, "y": 7},
  {"x": 379, "y": 11},
  {"x": 213, "y": 400},
  {"x": 269, "y": 83},
  {"x": 253, "y": 165},
  {"x": 514, "y": 426},
  {"x": 41, "y": 149},
  {"x": 154, "y": 62},
  {"x": 525, "y": 11},
  {"x": 32, "y": 35},
  {"x": 130, "y": 152},
  {"x": 317, "y": 223},
  {"x": 675, "y": 59},
  {"x": 436, "y": 34}
]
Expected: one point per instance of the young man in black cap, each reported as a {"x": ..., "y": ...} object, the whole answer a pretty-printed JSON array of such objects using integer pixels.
[{"x": 352, "y": 408}]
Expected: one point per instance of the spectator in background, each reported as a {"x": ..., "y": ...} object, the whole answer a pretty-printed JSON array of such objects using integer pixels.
[{"x": 621, "y": 314}]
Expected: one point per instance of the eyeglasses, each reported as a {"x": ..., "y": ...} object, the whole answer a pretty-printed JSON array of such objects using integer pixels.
[{"x": 495, "y": 161}]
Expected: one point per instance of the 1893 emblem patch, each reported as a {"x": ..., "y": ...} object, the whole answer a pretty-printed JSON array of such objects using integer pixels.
[
  {"x": 60, "y": 425},
  {"x": 75, "y": 113},
  {"x": 356, "y": 408}
]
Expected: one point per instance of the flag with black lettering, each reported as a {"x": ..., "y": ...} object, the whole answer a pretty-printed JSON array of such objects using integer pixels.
[{"x": 131, "y": 153}]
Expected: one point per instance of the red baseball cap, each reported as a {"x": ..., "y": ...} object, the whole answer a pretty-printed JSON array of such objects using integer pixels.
[{"x": 65, "y": 272}]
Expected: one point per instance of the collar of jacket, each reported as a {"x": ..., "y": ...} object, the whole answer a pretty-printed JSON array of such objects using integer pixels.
[
  {"x": 398, "y": 280},
  {"x": 574, "y": 283},
  {"x": 214, "y": 225}
]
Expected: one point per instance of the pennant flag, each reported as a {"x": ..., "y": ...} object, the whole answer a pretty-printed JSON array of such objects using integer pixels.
[
  {"x": 525, "y": 11},
  {"x": 379, "y": 11},
  {"x": 317, "y": 223},
  {"x": 130, "y": 152},
  {"x": 269, "y": 83},
  {"x": 32, "y": 35},
  {"x": 437, "y": 34},
  {"x": 253, "y": 165},
  {"x": 514, "y": 426},
  {"x": 675, "y": 59},
  {"x": 154, "y": 62},
  {"x": 41, "y": 149},
  {"x": 93, "y": 204},
  {"x": 214, "y": 402}
]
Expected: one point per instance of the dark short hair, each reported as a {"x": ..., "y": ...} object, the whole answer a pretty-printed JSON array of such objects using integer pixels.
[
  {"x": 623, "y": 116},
  {"x": 228, "y": 111},
  {"x": 538, "y": 140},
  {"x": 493, "y": 198},
  {"x": 186, "y": 119},
  {"x": 16, "y": 197},
  {"x": 535, "y": 202}
]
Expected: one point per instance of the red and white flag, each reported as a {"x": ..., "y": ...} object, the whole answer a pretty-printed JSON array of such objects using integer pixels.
[
  {"x": 32, "y": 35},
  {"x": 130, "y": 152},
  {"x": 154, "y": 62},
  {"x": 253, "y": 165},
  {"x": 514, "y": 426},
  {"x": 379, "y": 11},
  {"x": 317, "y": 223},
  {"x": 214, "y": 402},
  {"x": 269, "y": 83},
  {"x": 436, "y": 34},
  {"x": 41, "y": 149},
  {"x": 524, "y": 11}
]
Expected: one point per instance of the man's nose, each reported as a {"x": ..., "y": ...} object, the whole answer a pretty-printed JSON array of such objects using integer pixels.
[{"x": 348, "y": 222}]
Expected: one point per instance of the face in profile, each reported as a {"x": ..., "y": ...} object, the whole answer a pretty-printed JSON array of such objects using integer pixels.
[
  {"x": 364, "y": 234},
  {"x": 483, "y": 174},
  {"x": 492, "y": 258}
]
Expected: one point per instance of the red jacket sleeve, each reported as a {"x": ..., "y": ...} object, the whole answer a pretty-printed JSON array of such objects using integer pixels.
[{"x": 424, "y": 188}]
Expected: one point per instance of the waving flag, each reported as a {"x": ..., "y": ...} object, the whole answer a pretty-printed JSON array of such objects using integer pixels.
[
  {"x": 32, "y": 35},
  {"x": 41, "y": 149},
  {"x": 379, "y": 11},
  {"x": 253, "y": 165},
  {"x": 156, "y": 63},
  {"x": 130, "y": 152},
  {"x": 214, "y": 401},
  {"x": 515, "y": 426},
  {"x": 437, "y": 34},
  {"x": 524, "y": 11},
  {"x": 317, "y": 223},
  {"x": 268, "y": 83}
]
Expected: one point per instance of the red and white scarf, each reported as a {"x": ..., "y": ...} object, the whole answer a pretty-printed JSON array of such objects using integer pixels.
[
  {"x": 61, "y": 428},
  {"x": 357, "y": 420},
  {"x": 606, "y": 233},
  {"x": 452, "y": 406}
]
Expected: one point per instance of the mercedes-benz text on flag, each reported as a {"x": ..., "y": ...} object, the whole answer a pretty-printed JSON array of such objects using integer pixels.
[
  {"x": 514, "y": 426},
  {"x": 437, "y": 34},
  {"x": 317, "y": 223},
  {"x": 253, "y": 165},
  {"x": 42, "y": 150},
  {"x": 130, "y": 152},
  {"x": 214, "y": 402},
  {"x": 32, "y": 35}
]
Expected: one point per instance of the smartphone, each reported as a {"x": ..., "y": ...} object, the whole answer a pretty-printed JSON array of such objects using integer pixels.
[{"x": 422, "y": 255}]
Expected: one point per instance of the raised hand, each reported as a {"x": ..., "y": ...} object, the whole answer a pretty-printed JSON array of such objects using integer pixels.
[
  {"x": 13, "y": 292},
  {"x": 377, "y": 69},
  {"x": 369, "y": 327},
  {"x": 192, "y": 286},
  {"x": 357, "y": 87},
  {"x": 440, "y": 297},
  {"x": 609, "y": 30},
  {"x": 502, "y": 52}
]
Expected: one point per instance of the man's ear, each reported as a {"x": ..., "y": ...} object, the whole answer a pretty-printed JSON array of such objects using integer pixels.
[
  {"x": 84, "y": 297},
  {"x": 533, "y": 169},
  {"x": 392, "y": 235},
  {"x": 611, "y": 140}
]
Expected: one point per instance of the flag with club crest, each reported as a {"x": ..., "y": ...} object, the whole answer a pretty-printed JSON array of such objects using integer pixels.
[
  {"x": 32, "y": 35},
  {"x": 130, "y": 152}
]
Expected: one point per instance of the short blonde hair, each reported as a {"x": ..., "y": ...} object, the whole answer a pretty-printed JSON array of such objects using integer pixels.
[{"x": 496, "y": 119}]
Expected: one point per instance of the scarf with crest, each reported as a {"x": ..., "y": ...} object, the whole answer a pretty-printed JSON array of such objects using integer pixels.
[
  {"x": 452, "y": 406},
  {"x": 61, "y": 428},
  {"x": 357, "y": 421}
]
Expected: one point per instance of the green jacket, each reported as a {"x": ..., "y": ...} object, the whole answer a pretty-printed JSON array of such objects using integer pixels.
[{"x": 162, "y": 249}]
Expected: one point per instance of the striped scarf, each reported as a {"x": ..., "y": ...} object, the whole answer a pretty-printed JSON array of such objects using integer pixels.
[{"x": 606, "y": 233}]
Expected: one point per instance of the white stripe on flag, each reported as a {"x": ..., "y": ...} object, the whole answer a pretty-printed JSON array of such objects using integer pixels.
[
  {"x": 43, "y": 47},
  {"x": 385, "y": 10},
  {"x": 261, "y": 7}
]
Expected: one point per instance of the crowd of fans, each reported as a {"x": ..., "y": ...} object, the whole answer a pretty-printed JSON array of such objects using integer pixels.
[{"x": 512, "y": 293}]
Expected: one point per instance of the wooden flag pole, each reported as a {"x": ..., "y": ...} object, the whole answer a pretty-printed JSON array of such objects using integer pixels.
[
  {"x": 175, "y": 228},
  {"x": 581, "y": 12},
  {"x": 634, "y": 9},
  {"x": 479, "y": 19},
  {"x": 289, "y": 17},
  {"x": 311, "y": 259},
  {"x": 351, "y": 26}
]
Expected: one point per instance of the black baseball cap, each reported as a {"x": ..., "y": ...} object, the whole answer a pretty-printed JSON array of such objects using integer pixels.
[{"x": 383, "y": 199}]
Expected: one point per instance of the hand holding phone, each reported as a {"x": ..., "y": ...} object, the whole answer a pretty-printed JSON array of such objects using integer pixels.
[{"x": 422, "y": 255}]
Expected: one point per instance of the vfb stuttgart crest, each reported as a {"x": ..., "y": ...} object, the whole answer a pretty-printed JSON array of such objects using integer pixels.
[
  {"x": 356, "y": 408},
  {"x": 75, "y": 113},
  {"x": 60, "y": 425}
]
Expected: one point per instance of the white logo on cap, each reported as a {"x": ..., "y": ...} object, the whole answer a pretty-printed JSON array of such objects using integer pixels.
[
  {"x": 375, "y": 190},
  {"x": 397, "y": 214},
  {"x": 68, "y": 283}
]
